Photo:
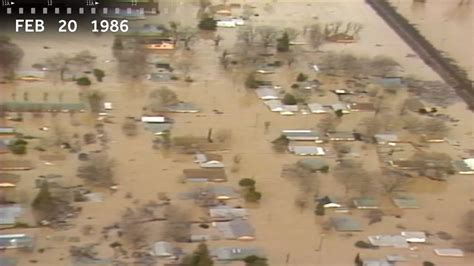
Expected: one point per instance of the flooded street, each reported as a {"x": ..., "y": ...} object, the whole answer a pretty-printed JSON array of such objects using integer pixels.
[{"x": 448, "y": 25}]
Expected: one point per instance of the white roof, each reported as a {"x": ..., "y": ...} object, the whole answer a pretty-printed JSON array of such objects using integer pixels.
[
  {"x": 226, "y": 212},
  {"x": 162, "y": 249},
  {"x": 414, "y": 237},
  {"x": 340, "y": 106},
  {"x": 108, "y": 106},
  {"x": 267, "y": 94},
  {"x": 153, "y": 119},
  {"x": 470, "y": 163},
  {"x": 449, "y": 252},
  {"x": 316, "y": 108},
  {"x": 307, "y": 150},
  {"x": 200, "y": 158},
  {"x": 274, "y": 105},
  {"x": 226, "y": 23},
  {"x": 212, "y": 164}
]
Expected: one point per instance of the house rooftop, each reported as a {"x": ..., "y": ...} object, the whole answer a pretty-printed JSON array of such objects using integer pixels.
[
  {"x": 386, "y": 138},
  {"x": 237, "y": 229},
  {"x": 346, "y": 224},
  {"x": 236, "y": 253},
  {"x": 163, "y": 249},
  {"x": 362, "y": 107},
  {"x": 210, "y": 175},
  {"x": 301, "y": 134},
  {"x": 226, "y": 213},
  {"x": 405, "y": 202},
  {"x": 9, "y": 213},
  {"x": 267, "y": 94},
  {"x": 307, "y": 150},
  {"x": 388, "y": 241},
  {"x": 313, "y": 164},
  {"x": 366, "y": 203},
  {"x": 341, "y": 136},
  {"x": 317, "y": 108},
  {"x": 449, "y": 252},
  {"x": 16, "y": 241},
  {"x": 15, "y": 165},
  {"x": 183, "y": 108}
]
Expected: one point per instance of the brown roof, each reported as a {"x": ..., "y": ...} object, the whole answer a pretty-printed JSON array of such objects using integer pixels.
[
  {"x": 12, "y": 165},
  {"x": 7, "y": 178},
  {"x": 211, "y": 175}
]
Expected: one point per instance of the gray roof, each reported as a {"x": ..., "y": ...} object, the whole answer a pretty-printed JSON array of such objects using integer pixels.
[
  {"x": 183, "y": 108},
  {"x": 158, "y": 128},
  {"x": 7, "y": 130},
  {"x": 267, "y": 93},
  {"x": 9, "y": 213},
  {"x": 301, "y": 134},
  {"x": 388, "y": 241},
  {"x": 222, "y": 191},
  {"x": 317, "y": 108},
  {"x": 385, "y": 138},
  {"x": 394, "y": 82},
  {"x": 226, "y": 213},
  {"x": 236, "y": 253},
  {"x": 405, "y": 202},
  {"x": 313, "y": 164},
  {"x": 8, "y": 261},
  {"x": 366, "y": 203},
  {"x": 376, "y": 263},
  {"x": 346, "y": 224},
  {"x": 307, "y": 150},
  {"x": 16, "y": 241},
  {"x": 236, "y": 229}
]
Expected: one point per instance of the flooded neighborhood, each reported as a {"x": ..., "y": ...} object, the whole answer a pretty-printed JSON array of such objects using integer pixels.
[{"x": 247, "y": 132}]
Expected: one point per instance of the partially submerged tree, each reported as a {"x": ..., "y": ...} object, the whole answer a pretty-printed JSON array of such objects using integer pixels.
[
  {"x": 44, "y": 203},
  {"x": 98, "y": 171},
  {"x": 283, "y": 43},
  {"x": 178, "y": 224},
  {"x": 354, "y": 178},
  {"x": 10, "y": 55},
  {"x": 161, "y": 98},
  {"x": 247, "y": 34},
  {"x": 200, "y": 257},
  {"x": 267, "y": 35},
  {"x": 95, "y": 99},
  {"x": 383, "y": 65},
  {"x": 316, "y": 36},
  {"x": 132, "y": 228},
  {"x": 130, "y": 128},
  {"x": 188, "y": 36},
  {"x": 327, "y": 123}
]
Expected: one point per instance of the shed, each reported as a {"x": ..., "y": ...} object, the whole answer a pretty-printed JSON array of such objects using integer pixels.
[
  {"x": 9, "y": 213},
  {"x": 307, "y": 150},
  {"x": 237, "y": 229},
  {"x": 163, "y": 249},
  {"x": 346, "y": 224},
  {"x": 366, "y": 203},
  {"x": 414, "y": 236},
  {"x": 405, "y": 202},
  {"x": 154, "y": 119},
  {"x": 15, "y": 165},
  {"x": 376, "y": 263},
  {"x": 328, "y": 202},
  {"x": 317, "y": 108},
  {"x": 236, "y": 253},
  {"x": 227, "y": 213},
  {"x": 301, "y": 134},
  {"x": 267, "y": 94},
  {"x": 205, "y": 175},
  {"x": 449, "y": 252},
  {"x": 386, "y": 138},
  {"x": 212, "y": 164}
]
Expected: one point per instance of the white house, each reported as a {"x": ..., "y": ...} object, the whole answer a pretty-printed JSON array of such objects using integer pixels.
[
  {"x": 212, "y": 164},
  {"x": 153, "y": 119}
]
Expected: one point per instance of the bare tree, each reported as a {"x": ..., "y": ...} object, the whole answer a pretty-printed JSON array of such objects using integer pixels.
[
  {"x": 132, "y": 64},
  {"x": 10, "y": 55},
  {"x": 161, "y": 98},
  {"x": 95, "y": 98},
  {"x": 392, "y": 182},
  {"x": 132, "y": 228},
  {"x": 327, "y": 123},
  {"x": 292, "y": 33},
  {"x": 316, "y": 36},
  {"x": 58, "y": 64},
  {"x": 188, "y": 36},
  {"x": 99, "y": 171},
  {"x": 224, "y": 135},
  {"x": 354, "y": 178},
  {"x": 466, "y": 240},
  {"x": 177, "y": 226},
  {"x": 247, "y": 34},
  {"x": 267, "y": 35},
  {"x": 175, "y": 26},
  {"x": 383, "y": 65},
  {"x": 130, "y": 128}
]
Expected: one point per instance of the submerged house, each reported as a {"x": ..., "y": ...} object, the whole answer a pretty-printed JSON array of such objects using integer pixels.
[
  {"x": 9, "y": 213},
  {"x": 205, "y": 175},
  {"x": 237, "y": 229},
  {"x": 12, "y": 241},
  {"x": 236, "y": 253},
  {"x": 227, "y": 213},
  {"x": 302, "y": 135}
]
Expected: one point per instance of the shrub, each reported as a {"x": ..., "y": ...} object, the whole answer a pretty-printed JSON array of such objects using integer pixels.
[
  {"x": 428, "y": 263},
  {"x": 362, "y": 244},
  {"x": 18, "y": 147},
  {"x": 189, "y": 79},
  {"x": 84, "y": 81},
  {"x": 247, "y": 182},
  {"x": 289, "y": 99},
  {"x": 118, "y": 45},
  {"x": 99, "y": 74},
  {"x": 252, "y": 195},
  {"x": 295, "y": 86},
  {"x": 301, "y": 77},
  {"x": 251, "y": 82},
  {"x": 207, "y": 24},
  {"x": 320, "y": 210},
  {"x": 283, "y": 43}
]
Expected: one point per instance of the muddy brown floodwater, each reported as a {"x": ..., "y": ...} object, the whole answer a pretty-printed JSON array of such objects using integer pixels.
[{"x": 448, "y": 25}]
